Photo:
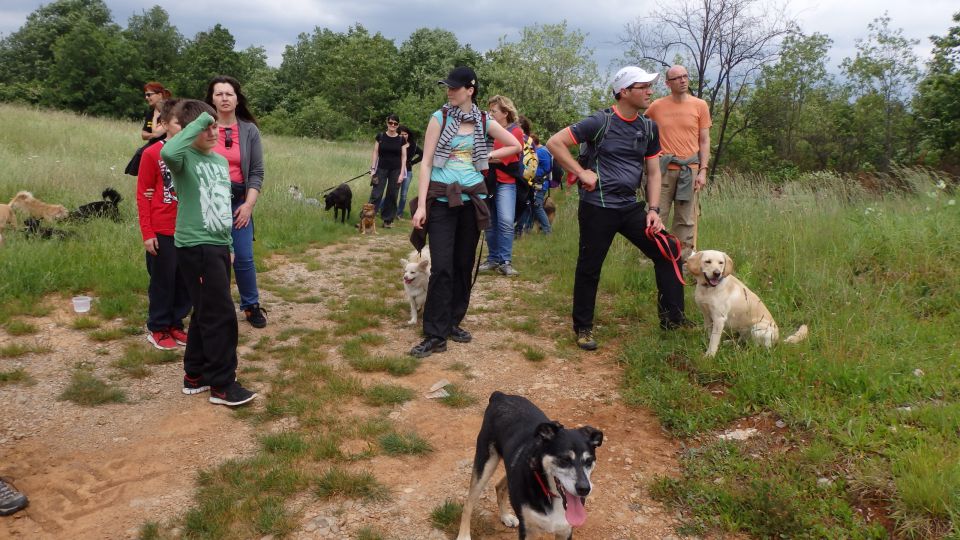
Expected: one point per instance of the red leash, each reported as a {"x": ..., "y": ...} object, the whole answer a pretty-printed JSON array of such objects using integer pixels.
[{"x": 662, "y": 240}]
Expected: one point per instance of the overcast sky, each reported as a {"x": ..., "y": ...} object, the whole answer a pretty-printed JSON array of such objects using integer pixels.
[{"x": 481, "y": 23}]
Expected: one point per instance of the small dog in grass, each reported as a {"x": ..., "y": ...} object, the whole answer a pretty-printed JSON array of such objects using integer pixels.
[
  {"x": 25, "y": 201},
  {"x": 368, "y": 218},
  {"x": 34, "y": 228},
  {"x": 298, "y": 196},
  {"x": 550, "y": 208},
  {"x": 727, "y": 303},
  {"x": 416, "y": 277},
  {"x": 340, "y": 199},
  {"x": 7, "y": 217},
  {"x": 107, "y": 208}
]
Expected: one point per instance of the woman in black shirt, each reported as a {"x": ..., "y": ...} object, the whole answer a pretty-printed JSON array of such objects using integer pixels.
[
  {"x": 414, "y": 155},
  {"x": 389, "y": 168}
]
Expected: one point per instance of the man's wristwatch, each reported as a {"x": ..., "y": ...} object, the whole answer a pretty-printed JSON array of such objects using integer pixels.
[{"x": 654, "y": 209}]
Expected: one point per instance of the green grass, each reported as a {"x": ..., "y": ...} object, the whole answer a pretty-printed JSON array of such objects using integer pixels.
[
  {"x": 17, "y": 327},
  {"x": 394, "y": 365},
  {"x": 16, "y": 350},
  {"x": 387, "y": 394},
  {"x": 458, "y": 398},
  {"x": 446, "y": 516},
  {"x": 15, "y": 376},
  {"x": 338, "y": 482},
  {"x": 533, "y": 354},
  {"x": 137, "y": 359},
  {"x": 878, "y": 281},
  {"x": 85, "y": 323},
  {"x": 396, "y": 444},
  {"x": 87, "y": 390}
]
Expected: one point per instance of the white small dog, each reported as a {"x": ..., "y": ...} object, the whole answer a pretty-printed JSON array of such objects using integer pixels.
[
  {"x": 726, "y": 302},
  {"x": 298, "y": 196},
  {"x": 416, "y": 277}
]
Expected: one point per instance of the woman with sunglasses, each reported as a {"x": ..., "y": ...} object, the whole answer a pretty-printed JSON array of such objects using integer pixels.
[
  {"x": 449, "y": 208},
  {"x": 154, "y": 93},
  {"x": 388, "y": 169},
  {"x": 239, "y": 142}
]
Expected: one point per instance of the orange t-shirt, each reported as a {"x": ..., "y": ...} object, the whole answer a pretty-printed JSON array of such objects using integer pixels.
[{"x": 680, "y": 125}]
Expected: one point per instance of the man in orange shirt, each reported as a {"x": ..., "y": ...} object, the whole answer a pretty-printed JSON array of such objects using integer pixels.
[{"x": 684, "y": 122}]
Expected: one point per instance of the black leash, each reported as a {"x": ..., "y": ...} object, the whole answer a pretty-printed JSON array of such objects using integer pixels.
[{"x": 329, "y": 189}]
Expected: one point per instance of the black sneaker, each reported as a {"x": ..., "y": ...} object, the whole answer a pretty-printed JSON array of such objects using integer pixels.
[
  {"x": 460, "y": 335},
  {"x": 11, "y": 500},
  {"x": 194, "y": 385},
  {"x": 255, "y": 316},
  {"x": 428, "y": 346},
  {"x": 231, "y": 396},
  {"x": 674, "y": 325},
  {"x": 585, "y": 340}
]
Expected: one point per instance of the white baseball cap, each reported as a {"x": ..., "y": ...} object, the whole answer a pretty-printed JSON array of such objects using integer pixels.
[{"x": 631, "y": 75}]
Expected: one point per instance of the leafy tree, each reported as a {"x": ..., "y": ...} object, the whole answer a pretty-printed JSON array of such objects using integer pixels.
[
  {"x": 158, "y": 42},
  {"x": 549, "y": 74},
  {"x": 209, "y": 54},
  {"x": 426, "y": 57},
  {"x": 27, "y": 55},
  {"x": 361, "y": 88},
  {"x": 937, "y": 102},
  {"x": 881, "y": 76}
]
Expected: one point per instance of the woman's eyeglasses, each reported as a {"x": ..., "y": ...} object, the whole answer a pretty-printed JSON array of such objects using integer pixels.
[
  {"x": 392, "y": 123},
  {"x": 148, "y": 94},
  {"x": 228, "y": 138}
]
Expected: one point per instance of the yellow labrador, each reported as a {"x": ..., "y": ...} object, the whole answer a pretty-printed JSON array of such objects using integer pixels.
[{"x": 727, "y": 303}]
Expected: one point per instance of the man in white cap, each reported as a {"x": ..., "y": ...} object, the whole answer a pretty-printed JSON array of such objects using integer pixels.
[{"x": 620, "y": 145}]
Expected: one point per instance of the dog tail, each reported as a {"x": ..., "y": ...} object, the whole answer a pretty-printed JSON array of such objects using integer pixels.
[
  {"x": 111, "y": 195},
  {"x": 798, "y": 336}
]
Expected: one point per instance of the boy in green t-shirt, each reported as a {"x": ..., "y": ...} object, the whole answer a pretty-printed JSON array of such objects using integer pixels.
[{"x": 204, "y": 252}]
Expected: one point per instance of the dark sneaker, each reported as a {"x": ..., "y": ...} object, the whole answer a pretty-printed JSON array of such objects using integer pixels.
[
  {"x": 11, "y": 500},
  {"x": 674, "y": 325},
  {"x": 507, "y": 270},
  {"x": 429, "y": 346},
  {"x": 255, "y": 316},
  {"x": 585, "y": 340},
  {"x": 194, "y": 385},
  {"x": 162, "y": 340},
  {"x": 178, "y": 335},
  {"x": 488, "y": 266},
  {"x": 231, "y": 396},
  {"x": 460, "y": 335}
]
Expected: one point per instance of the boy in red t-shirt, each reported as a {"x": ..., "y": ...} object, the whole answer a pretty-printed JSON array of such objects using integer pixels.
[{"x": 157, "y": 210}]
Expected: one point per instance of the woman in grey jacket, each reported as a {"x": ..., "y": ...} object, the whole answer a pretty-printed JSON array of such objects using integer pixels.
[{"x": 239, "y": 142}]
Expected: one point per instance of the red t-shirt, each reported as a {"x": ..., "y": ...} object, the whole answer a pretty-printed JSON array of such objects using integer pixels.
[
  {"x": 233, "y": 153},
  {"x": 158, "y": 215},
  {"x": 502, "y": 176}
]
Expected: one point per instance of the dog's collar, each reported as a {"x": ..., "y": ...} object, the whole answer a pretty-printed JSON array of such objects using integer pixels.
[{"x": 546, "y": 492}]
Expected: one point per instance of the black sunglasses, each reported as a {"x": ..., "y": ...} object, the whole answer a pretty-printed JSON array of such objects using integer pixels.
[
  {"x": 148, "y": 94},
  {"x": 228, "y": 138},
  {"x": 392, "y": 123}
]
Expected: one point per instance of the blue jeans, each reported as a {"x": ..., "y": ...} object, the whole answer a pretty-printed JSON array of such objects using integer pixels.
[
  {"x": 500, "y": 233},
  {"x": 539, "y": 213},
  {"x": 243, "y": 269},
  {"x": 403, "y": 194}
]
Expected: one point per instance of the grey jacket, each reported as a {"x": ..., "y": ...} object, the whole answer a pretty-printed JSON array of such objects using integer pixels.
[{"x": 251, "y": 155}]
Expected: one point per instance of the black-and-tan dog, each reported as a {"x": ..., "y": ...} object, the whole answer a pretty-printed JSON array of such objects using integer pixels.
[{"x": 547, "y": 469}]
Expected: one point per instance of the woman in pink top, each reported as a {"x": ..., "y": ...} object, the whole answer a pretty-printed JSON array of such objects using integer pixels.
[{"x": 239, "y": 142}]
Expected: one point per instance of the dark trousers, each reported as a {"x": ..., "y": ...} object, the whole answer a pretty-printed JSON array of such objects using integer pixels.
[
  {"x": 386, "y": 183},
  {"x": 212, "y": 348},
  {"x": 169, "y": 299},
  {"x": 598, "y": 226},
  {"x": 453, "y": 237}
]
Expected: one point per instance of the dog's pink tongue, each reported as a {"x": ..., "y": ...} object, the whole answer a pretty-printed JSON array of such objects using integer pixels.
[{"x": 576, "y": 513}]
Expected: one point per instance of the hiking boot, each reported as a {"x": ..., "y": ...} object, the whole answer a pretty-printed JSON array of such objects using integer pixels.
[
  {"x": 674, "y": 325},
  {"x": 231, "y": 396},
  {"x": 387, "y": 225},
  {"x": 178, "y": 335},
  {"x": 585, "y": 340},
  {"x": 507, "y": 270},
  {"x": 255, "y": 316},
  {"x": 488, "y": 266},
  {"x": 428, "y": 346},
  {"x": 11, "y": 500},
  {"x": 162, "y": 340},
  {"x": 460, "y": 335},
  {"x": 194, "y": 385}
]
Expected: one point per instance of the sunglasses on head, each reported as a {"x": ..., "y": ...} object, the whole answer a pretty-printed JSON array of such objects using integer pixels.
[{"x": 228, "y": 138}]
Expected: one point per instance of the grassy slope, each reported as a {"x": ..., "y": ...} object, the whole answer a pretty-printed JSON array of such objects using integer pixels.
[
  {"x": 878, "y": 281},
  {"x": 66, "y": 159}
]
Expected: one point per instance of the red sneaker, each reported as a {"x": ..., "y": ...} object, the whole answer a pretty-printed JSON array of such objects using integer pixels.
[
  {"x": 162, "y": 341},
  {"x": 178, "y": 335}
]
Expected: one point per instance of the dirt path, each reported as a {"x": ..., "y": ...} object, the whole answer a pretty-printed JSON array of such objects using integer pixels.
[{"x": 101, "y": 472}]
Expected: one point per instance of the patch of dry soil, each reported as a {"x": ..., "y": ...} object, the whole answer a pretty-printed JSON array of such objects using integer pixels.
[{"x": 101, "y": 472}]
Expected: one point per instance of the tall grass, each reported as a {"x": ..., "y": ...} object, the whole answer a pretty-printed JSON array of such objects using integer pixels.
[
  {"x": 68, "y": 159},
  {"x": 876, "y": 275}
]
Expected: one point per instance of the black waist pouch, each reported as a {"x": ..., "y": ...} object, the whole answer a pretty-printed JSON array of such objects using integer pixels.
[{"x": 238, "y": 192}]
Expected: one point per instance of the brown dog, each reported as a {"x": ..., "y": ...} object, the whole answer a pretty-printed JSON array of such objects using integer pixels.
[
  {"x": 727, "y": 303},
  {"x": 7, "y": 217},
  {"x": 550, "y": 208},
  {"x": 36, "y": 208},
  {"x": 368, "y": 217}
]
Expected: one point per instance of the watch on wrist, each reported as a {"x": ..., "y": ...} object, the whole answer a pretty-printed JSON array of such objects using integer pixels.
[{"x": 654, "y": 209}]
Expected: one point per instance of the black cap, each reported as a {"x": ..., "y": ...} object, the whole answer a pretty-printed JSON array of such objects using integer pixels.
[{"x": 460, "y": 77}]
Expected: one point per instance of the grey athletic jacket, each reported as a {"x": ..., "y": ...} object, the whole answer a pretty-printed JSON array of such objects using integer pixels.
[{"x": 251, "y": 155}]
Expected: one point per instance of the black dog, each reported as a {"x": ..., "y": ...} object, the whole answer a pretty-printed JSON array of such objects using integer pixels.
[
  {"x": 548, "y": 468},
  {"x": 107, "y": 208},
  {"x": 340, "y": 199},
  {"x": 34, "y": 228}
]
